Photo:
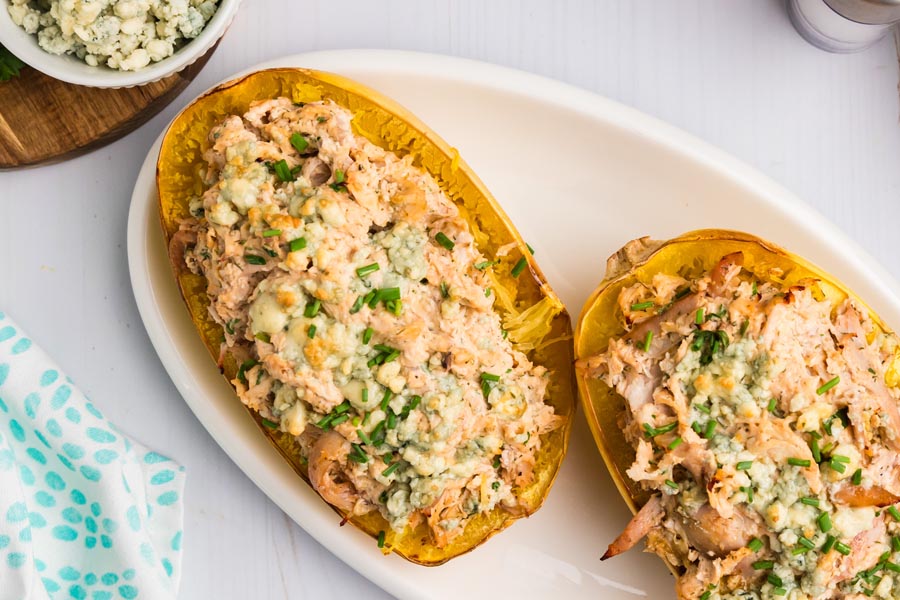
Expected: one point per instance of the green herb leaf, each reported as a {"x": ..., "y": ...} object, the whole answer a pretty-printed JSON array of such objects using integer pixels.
[
  {"x": 519, "y": 267},
  {"x": 10, "y": 65},
  {"x": 444, "y": 241},
  {"x": 827, "y": 386},
  {"x": 299, "y": 142}
]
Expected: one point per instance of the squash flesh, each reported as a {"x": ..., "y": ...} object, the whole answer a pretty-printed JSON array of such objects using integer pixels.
[{"x": 546, "y": 329}]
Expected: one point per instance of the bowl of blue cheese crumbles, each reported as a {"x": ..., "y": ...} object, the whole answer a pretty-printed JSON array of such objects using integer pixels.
[{"x": 112, "y": 43}]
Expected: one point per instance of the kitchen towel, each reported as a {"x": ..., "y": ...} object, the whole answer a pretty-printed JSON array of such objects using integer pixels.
[{"x": 85, "y": 512}]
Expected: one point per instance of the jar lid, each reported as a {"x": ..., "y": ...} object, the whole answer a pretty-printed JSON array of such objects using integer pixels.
[{"x": 871, "y": 12}]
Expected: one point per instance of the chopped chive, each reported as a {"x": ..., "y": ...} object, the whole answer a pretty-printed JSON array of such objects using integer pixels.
[
  {"x": 697, "y": 427},
  {"x": 703, "y": 408},
  {"x": 342, "y": 408},
  {"x": 263, "y": 337},
  {"x": 829, "y": 543},
  {"x": 371, "y": 299},
  {"x": 271, "y": 233},
  {"x": 229, "y": 326},
  {"x": 710, "y": 429},
  {"x": 655, "y": 431},
  {"x": 392, "y": 356},
  {"x": 647, "y": 340},
  {"x": 385, "y": 399},
  {"x": 810, "y": 501},
  {"x": 339, "y": 419},
  {"x": 856, "y": 478},
  {"x": 297, "y": 244},
  {"x": 321, "y": 119},
  {"x": 445, "y": 290},
  {"x": 254, "y": 259},
  {"x": 504, "y": 333},
  {"x": 489, "y": 377},
  {"x": 391, "y": 420},
  {"x": 311, "y": 332},
  {"x": 339, "y": 176},
  {"x": 806, "y": 543},
  {"x": 828, "y": 447},
  {"x": 404, "y": 414},
  {"x": 890, "y": 566},
  {"x": 675, "y": 443},
  {"x": 364, "y": 437},
  {"x": 799, "y": 462},
  {"x": 444, "y": 241},
  {"x": 283, "y": 171},
  {"x": 824, "y": 522},
  {"x": 381, "y": 539},
  {"x": 762, "y": 565},
  {"x": 667, "y": 428},
  {"x": 772, "y": 405},
  {"x": 842, "y": 548},
  {"x": 496, "y": 462},
  {"x": 378, "y": 433},
  {"x": 895, "y": 543},
  {"x": 485, "y": 264},
  {"x": 270, "y": 424},
  {"x": 774, "y": 580},
  {"x": 395, "y": 306},
  {"x": 643, "y": 305},
  {"x": 840, "y": 458},
  {"x": 299, "y": 142},
  {"x": 246, "y": 366},
  {"x": 892, "y": 510},
  {"x": 495, "y": 486},
  {"x": 367, "y": 335},
  {"x": 698, "y": 318},
  {"x": 780, "y": 591},
  {"x": 748, "y": 490},
  {"x": 814, "y": 448},
  {"x": 755, "y": 545},
  {"x": 755, "y": 289},
  {"x": 519, "y": 267},
  {"x": 365, "y": 395},
  {"x": 390, "y": 469},
  {"x": 313, "y": 309},
  {"x": 357, "y": 306},
  {"x": 705, "y": 595},
  {"x": 530, "y": 249},
  {"x": 387, "y": 294},
  {"x": 837, "y": 466},
  {"x": 366, "y": 270},
  {"x": 827, "y": 386},
  {"x": 365, "y": 420},
  {"x": 744, "y": 465},
  {"x": 671, "y": 484}
]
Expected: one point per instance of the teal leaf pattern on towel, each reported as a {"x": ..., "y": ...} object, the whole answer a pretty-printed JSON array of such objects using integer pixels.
[{"x": 85, "y": 512}]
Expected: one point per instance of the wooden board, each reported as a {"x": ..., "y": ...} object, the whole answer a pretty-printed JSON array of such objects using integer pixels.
[{"x": 44, "y": 120}]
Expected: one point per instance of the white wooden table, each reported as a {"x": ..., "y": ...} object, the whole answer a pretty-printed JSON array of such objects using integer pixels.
[{"x": 732, "y": 72}]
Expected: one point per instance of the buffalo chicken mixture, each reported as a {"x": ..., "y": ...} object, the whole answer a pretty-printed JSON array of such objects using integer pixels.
[
  {"x": 352, "y": 291},
  {"x": 767, "y": 434}
]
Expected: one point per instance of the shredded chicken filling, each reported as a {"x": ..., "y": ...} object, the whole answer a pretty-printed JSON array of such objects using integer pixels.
[
  {"x": 763, "y": 425},
  {"x": 354, "y": 292}
]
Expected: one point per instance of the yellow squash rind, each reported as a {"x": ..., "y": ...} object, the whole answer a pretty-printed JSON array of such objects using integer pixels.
[
  {"x": 690, "y": 256},
  {"x": 545, "y": 337}
]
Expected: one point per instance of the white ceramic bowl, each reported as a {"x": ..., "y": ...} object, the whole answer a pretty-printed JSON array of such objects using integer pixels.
[{"x": 73, "y": 70}]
